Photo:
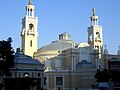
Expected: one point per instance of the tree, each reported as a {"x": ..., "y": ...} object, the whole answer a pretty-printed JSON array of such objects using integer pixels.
[
  {"x": 6, "y": 56},
  {"x": 21, "y": 83},
  {"x": 98, "y": 76},
  {"x": 102, "y": 76},
  {"x": 115, "y": 76}
]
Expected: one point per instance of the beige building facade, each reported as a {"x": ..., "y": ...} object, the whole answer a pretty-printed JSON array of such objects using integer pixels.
[
  {"x": 27, "y": 67},
  {"x": 29, "y": 33},
  {"x": 67, "y": 64},
  {"x": 95, "y": 37}
]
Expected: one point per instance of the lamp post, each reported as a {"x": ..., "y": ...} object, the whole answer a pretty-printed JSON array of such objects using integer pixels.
[
  {"x": 27, "y": 81},
  {"x": 26, "y": 75}
]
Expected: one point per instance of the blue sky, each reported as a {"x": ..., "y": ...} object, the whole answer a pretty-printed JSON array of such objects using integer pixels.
[{"x": 58, "y": 16}]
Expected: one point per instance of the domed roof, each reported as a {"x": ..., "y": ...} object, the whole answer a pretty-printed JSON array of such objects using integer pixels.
[
  {"x": 20, "y": 58},
  {"x": 58, "y": 45},
  {"x": 63, "y": 43},
  {"x": 84, "y": 63},
  {"x": 84, "y": 45}
]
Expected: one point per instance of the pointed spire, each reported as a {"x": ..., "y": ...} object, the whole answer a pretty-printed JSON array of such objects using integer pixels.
[
  {"x": 30, "y": 9},
  {"x": 118, "y": 52},
  {"x": 94, "y": 17},
  {"x": 30, "y": 2},
  {"x": 105, "y": 50},
  {"x": 94, "y": 12}
]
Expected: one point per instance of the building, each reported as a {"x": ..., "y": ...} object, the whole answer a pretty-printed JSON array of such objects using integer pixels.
[
  {"x": 95, "y": 37},
  {"x": 25, "y": 67},
  {"x": 112, "y": 62},
  {"x": 67, "y": 64},
  {"x": 29, "y": 31},
  {"x": 114, "y": 65},
  {"x": 64, "y": 63}
]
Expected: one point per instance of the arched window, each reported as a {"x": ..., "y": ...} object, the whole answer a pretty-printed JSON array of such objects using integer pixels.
[
  {"x": 97, "y": 48},
  {"x": 31, "y": 26},
  {"x": 30, "y": 12},
  {"x": 97, "y": 35},
  {"x": 91, "y": 36},
  {"x": 84, "y": 53},
  {"x": 31, "y": 43}
]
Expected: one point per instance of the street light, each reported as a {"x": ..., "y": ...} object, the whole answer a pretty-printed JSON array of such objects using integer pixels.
[{"x": 26, "y": 75}]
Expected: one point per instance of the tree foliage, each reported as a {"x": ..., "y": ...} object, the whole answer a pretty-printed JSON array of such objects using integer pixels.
[
  {"x": 105, "y": 76},
  {"x": 21, "y": 83},
  {"x": 115, "y": 76},
  {"x": 6, "y": 56},
  {"x": 102, "y": 76}
]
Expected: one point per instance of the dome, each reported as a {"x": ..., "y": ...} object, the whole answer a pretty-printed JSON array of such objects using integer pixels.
[
  {"x": 84, "y": 64},
  {"x": 20, "y": 58},
  {"x": 63, "y": 43},
  {"x": 58, "y": 45},
  {"x": 84, "y": 45}
]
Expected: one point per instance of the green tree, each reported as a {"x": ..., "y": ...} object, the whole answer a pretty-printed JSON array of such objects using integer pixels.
[
  {"x": 20, "y": 83},
  {"x": 98, "y": 76},
  {"x": 115, "y": 76},
  {"x": 6, "y": 56},
  {"x": 102, "y": 76}
]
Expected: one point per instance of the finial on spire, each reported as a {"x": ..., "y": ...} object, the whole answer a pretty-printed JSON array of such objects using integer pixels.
[
  {"x": 94, "y": 17},
  {"x": 105, "y": 46},
  {"x": 94, "y": 11},
  {"x": 30, "y": 2},
  {"x": 105, "y": 50},
  {"x": 119, "y": 48},
  {"x": 118, "y": 52}
]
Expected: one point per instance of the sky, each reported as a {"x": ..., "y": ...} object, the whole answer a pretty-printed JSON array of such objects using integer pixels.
[{"x": 58, "y": 16}]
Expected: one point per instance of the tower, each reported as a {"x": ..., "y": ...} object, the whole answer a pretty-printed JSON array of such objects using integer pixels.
[
  {"x": 105, "y": 50},
  {"x": 95, "y": 36},
  {"x": 118, "y": 52},
  {"x": 29, "y": 33}
]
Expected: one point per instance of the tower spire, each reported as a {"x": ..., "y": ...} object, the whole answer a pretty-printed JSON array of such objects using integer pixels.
[
  {"x": 94, "y": 18},
  {"x": 94, "y": 12},
  {"x": 30, "y": 2},
  {"x": 29, "y": 31},
  {"x": 30, "y": 9},
  {"x": 105, "y": 50},
  {"x": 118, "y": 52},
  {"x": 95, "y": 35}
]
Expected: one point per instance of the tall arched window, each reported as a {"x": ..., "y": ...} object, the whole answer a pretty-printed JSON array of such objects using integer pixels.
[
  {"x": 31, "y": 26},
  {"x": 97, "y": 35},
  {"x": 31, "y": 43},
  {"x": 91, "y": 36}
]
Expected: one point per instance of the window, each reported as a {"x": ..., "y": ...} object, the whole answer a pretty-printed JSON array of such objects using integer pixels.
[
  {"x": 59, "y": 81},
  {"x": 31, "y": 26},
  {"x": 30, "y": 12},
  {"x": 15, "y": 74},
  {"x": 97, "y": 35},
  {"x": 45, "y": 80},
  {"x": 31, "y": 43},
  {"x": 38, "y": 74},
  {"x": 33, "y": 74},
  {"x": 19, "y": 74},
  {"x": 97, "y": 48},
  {"x": 90, "y": 37}
]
